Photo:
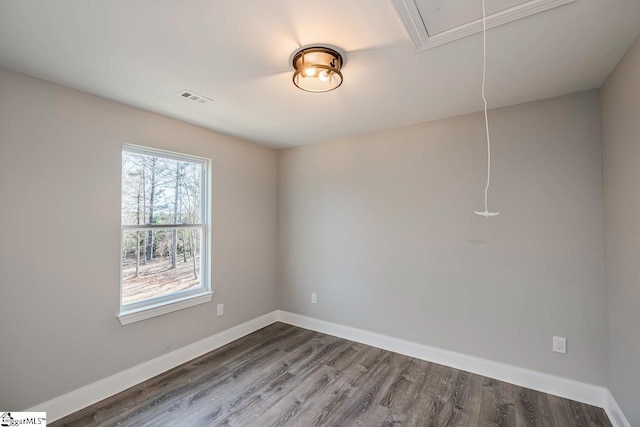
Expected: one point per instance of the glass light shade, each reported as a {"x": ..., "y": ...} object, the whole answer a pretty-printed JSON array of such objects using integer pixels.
[{"x": 325, "y": 64}]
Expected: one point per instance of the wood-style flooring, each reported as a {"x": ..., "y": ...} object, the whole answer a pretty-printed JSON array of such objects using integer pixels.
[{"x": 284, "y": 375}]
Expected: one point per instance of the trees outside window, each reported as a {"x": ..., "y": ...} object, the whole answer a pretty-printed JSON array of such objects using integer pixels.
[{"x": 164, "y": 227}]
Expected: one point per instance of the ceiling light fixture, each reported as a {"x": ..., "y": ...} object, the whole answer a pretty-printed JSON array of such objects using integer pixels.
[{"x": 317, "y": 69}]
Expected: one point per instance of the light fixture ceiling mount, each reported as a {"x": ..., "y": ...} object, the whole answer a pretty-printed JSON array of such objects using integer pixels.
[{"x": 317, "y": 68}]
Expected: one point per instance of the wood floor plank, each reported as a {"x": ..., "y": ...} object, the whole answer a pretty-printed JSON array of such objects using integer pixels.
[
  {"x": 271, "y": 378},
  {"x": 287, "y": 376},
  {"x": 363, "y": 397},
  {"x": 272, "y": 396},
  {"x": 206, "y": 407},
  {"x": 318, "y": 388},
  {"x": 130, "y": 399},
  {"x": 497, "y": 406},
  {"x": 392, "y": 396},
  {"x": 404, "y": 388},
  {"x": 205, "y": 375},
  {"x": 424, "y": 411}
]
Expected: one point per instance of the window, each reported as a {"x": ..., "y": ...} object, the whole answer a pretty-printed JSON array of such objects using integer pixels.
[{"x": 165, "y": 234}]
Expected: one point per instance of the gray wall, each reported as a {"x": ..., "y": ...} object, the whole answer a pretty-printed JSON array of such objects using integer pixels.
[
  {"x": 60, "y": 155},
  {"x": 621, "y": 141},
  {"x": 381, "y": 227}
]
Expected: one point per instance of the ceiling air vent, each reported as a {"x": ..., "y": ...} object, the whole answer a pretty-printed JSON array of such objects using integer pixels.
[{"x": 192, "y": 96}]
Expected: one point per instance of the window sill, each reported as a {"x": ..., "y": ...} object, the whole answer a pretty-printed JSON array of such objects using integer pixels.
[{"x": 131, "y": 316}]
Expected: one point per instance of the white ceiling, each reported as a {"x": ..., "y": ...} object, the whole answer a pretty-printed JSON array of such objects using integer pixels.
[{"x": 237, "y": 52}]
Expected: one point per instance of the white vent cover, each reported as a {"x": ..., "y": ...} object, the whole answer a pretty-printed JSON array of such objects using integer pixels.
[
  {"x": 192, "y": 96},
  {"x": 412, "y": 13}
]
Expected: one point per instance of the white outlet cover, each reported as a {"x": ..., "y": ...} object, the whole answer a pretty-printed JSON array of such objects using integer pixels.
[
  {"x": 560, "y": 345},
  {"x": 314, "y": 298},
  {"x": 220, "y": 309}
]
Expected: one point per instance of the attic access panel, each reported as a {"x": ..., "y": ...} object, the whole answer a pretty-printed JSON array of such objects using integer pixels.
[
  {"x": 431, "y": 23},
  {"x": 442, "y": 15}
]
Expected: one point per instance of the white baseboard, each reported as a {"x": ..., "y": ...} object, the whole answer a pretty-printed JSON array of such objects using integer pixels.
[
  {"x": 88, "y": 395},
  {"x": 570, "y": 389},
  {"x": 615, "y": 414}
]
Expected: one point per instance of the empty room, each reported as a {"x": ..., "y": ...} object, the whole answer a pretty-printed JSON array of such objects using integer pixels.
[{"x": 320, "y": 213}]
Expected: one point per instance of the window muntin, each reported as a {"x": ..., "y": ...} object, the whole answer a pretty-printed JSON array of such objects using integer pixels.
[{"x": 164, "y": 229}]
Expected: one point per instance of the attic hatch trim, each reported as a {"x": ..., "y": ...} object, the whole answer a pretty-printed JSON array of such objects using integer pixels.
[{"x": 414, "y": 25}]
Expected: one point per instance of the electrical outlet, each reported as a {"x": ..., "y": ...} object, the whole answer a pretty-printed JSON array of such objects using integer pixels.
[
  {"x": 314, "y": 298},
  {"x": 560, "y": 345},
  {"x": 220, "y": 309}
]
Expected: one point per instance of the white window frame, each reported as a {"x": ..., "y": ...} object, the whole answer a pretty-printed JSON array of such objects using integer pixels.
[{"x": 157, "y": 306}]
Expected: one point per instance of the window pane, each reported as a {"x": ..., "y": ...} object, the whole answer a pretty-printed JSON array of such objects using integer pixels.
[
  {"x": 157, "y": 190},
  {"x": 159, "y": 262}
]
